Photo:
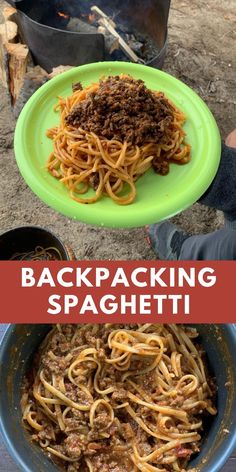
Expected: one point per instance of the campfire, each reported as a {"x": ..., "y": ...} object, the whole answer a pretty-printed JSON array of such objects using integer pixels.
[
  {"x": 41, "y": 38},
  {"x": 115, "y": 37},
  {"x": 62, "y": 15}
]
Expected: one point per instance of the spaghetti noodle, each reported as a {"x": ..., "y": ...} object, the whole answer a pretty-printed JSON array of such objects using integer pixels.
[
  {"x": 119, "y": 398},
  {"x": 110, "y": 134},
  {"x": 38, "y": 254}
]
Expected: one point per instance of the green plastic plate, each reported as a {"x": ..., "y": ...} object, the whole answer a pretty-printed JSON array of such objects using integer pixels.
[{"x": 158, "y": 197}]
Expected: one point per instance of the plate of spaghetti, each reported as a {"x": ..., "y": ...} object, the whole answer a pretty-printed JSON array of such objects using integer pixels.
[
  {"x": 119, "y": 398},
  {"x": 117, "y": 144}
]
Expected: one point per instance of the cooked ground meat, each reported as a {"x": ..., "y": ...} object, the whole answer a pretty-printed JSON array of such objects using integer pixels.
[
  {"x": 124, "y": 109},
  {"x": 72, "y": 446},
  {"x": 76, "y": 395},
  {"x": 127, "y": 431},
  {"x": 120, "y": 395},
  {"x": 94, "y": 180},
  {"x": 77, "y": 86},
  {"x": 101, "y": 421},
  {"x": 56, "y": 366},
  {"x": 111, "y": 462},
  {"x": 160, "y": 166}
]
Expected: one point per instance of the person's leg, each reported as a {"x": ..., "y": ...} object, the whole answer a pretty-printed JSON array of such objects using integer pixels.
[
  {"x": 170, "y": 243},
  {"x": 222, "y": 192},
  {"x": 166, "y": 240},
  {"x": 220, "y": 245}
]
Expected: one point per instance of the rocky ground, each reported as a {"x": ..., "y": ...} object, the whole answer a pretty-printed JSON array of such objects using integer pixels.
[{"x": 201, "y": 52}]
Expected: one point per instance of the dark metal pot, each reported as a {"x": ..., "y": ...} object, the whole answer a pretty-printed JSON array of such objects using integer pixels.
[
  {"x": 20, "y": 343},
  {"x": 51, "y": 47},
  {"x": 27, "y": 238}
]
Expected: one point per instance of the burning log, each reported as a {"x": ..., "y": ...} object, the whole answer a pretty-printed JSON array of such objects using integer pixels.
[
  {"x": 78, "y": 25},
  {"x": 109, "y": 25},
  {"x": 111, "y": 43}
]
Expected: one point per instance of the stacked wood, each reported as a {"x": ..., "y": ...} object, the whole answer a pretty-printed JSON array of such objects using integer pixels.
[
  {"x": 4, "y": 71},
  {"x": 8, "y": 31},
  {"x": 8, "y": 35},
  {"x": 17, "y": 66},
  {"x": 8, "y": 12},
  {"x": 16, "y": 73},
  {"x": 33, "y": 79}
]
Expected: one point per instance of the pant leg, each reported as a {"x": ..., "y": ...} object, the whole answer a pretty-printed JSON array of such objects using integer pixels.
[
  {"x": 220, "y": 245},
  {"x": 222, "y": 192}
]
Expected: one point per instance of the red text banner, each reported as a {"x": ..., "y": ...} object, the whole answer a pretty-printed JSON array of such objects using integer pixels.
[{"x": 118, "y": 291}]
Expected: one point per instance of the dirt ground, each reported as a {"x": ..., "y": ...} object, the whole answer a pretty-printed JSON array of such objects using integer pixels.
[{"x": 201, "y": 52}]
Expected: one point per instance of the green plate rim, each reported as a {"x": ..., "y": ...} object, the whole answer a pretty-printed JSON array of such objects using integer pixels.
[{"x": 129, "y": 216}]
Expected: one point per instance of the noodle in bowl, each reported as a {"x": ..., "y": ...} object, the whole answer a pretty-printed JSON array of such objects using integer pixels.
[
  {"x": 219, "y": 342},
  {"x": 107, "y": 389}
]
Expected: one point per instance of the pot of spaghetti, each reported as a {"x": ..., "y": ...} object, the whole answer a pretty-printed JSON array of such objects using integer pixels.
[
  {"x": 119, "y": 398},
  {"x": 32, "y": 243}
]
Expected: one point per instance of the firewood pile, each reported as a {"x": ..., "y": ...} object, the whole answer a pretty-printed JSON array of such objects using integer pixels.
[{"x": 18, "y": 74}]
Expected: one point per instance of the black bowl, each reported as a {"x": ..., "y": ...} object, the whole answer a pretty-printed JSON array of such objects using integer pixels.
[
  {"x": 18, "y": 347},
  {"x": 27, "y": 238}
]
